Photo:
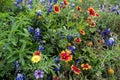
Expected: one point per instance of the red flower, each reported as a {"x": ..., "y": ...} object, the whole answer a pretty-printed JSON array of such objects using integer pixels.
[
  {"x": 77, "y": 40},
  {"x": 75, "y": 69},
  {"x": 78, "y": 8},
  {"x": 91, "y": 11},
  {"x": 82, "y": 32},
  {"x": 65, "y": 2},
  {"x": 92, "y": 24},
  {"x": 66, "y": 56},
  {"x": 85, "y": 66},
  {"x": 89, "y": 19},
  {"x": 56, "y": 8},
  {"x": 96, "y": 14},
  {"x": 37, "y": 53}
]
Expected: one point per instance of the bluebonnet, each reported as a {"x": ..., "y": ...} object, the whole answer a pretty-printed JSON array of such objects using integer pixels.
[
  {"x": 118, "y": 12},
  {"x": 57, "y": 59},
  {"x": 30, "y": 29},
  {"x": 37, "y": 34},
  {"x": 55, "y": 1},
  {"x": 72, "y": 5},
  {"x": 17, "y": 65},
  {"x": 115, "y": 8},
  {"x": 41, "y": 48},
  {"x": 70, "y": 37},
  {"x": 50, "y": 8},
  {"x": 39, "y": 73},
  {"x": 109, "y": 42},
  {"x": 72, "y": 49},
  {"x": 50, "y": 1},
  {"x": 20, "y": 76},
  {"x": 19, "y": 1},
  {"x": 58, "y": 68},
  {"x": 29, "y": 1},
  {"x": 30, "y": 6},
  {"x": 106, "y": 32},
  {"x": 39, "y": 13}
]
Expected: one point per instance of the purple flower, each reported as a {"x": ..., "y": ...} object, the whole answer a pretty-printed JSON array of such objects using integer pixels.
[
  {"x": 55, "y": 1},
  {"x": 30, "y": 6},
  {"x": 106, "y": 32},
  {"x": 57, "y": 59},
  {"x": 50, "y": 1},
  {"x": 72, "y": 49},
  {"x": 115, "y": 8},
  {"x": 118, "y": 12},
  {"x": 58, "y": 68},
  {"x": 19, "y": 1},
  {"x": 39, "y": 74},
  {"x": 30, "y": 29},
  {"x": 37, "y": 34},
  {"x": 20, "y": 76},
  {"x": 110, "y": 42},
  {"x": 50, "y": 8},
  {"x": 39, "y": 13},
  {"x": 70, "y": 37},
  {"x": 41, "y": 48},
  {"x": 17, "y": 64},
  {"x": 29, "y": 1}
]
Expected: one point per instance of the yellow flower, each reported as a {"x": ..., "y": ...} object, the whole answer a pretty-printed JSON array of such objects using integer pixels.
[
  {"x": 110, "y": 71},
  {"x": 36, "y": 58},
  {"x": 80, "y": 0},
  {"x": 90, "y": 43}
]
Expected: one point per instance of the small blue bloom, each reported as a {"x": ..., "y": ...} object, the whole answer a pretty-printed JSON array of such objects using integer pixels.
[
  {"x": 30, "y": 29},
  {"x": 50, "y": 8},
  {"x": 17, "y": 64},
  {"x": 37, "y": 34},
  {"x": 29, "y": 1},
  {"x": 30, "y": 6},
  {"x": 72, "y": 49},
  {"x": 72, "y": 5},
  {"x": 20, "y": 76},
  {"x": 58, "y": 69},
  {"x": 39, "y": 13},
  {"x": 55, "y": 1},
  {"x": 115, "y": 8},
  {"x": 57, "y": 59},
  {"x": 50, "y": 1},
  {"x": 110, "y": 42},
  {"x": 41, "y": 48},
  {"x": 106, "y": 32},
  {"x": 118, "y": 12},
  {"x": 70, "y": 37},
  {"x": 19, "y": 1}
]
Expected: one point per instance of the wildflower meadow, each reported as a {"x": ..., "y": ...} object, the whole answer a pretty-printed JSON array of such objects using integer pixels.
[{"x": 59, "y": 39}]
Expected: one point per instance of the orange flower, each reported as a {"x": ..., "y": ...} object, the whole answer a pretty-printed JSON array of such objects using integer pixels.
[
  {"x": 65, "y": 2},
  {"x": 85, "y": 66},
  {"x": 56, "y": 8},
  {"x": 66, "y": 56},
  {"x": 90, "y": 43},
  {"x": 82, "y": 32},
  {"x": 89, "y": 19},
  {"x": 110, "y": 71},
  {"x": 92, "y": 24},
  {"x": 75, "y": 69},
  {"x": 91, "y": 11},
  {"x": 77, "y": 40},
  {"x": 80, "y": 0}
]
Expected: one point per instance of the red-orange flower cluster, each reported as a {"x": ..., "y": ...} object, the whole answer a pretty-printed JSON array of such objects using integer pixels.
[
  {"x": 66, "y": 2},
  {"x": 82, "y": 32},
  {"x": 92, "y": 12},
  {"x": 85, "y": 66},
  {"x": 77, "y": 40},
  {"x": 75, "y": 69},
  {"x": 66, "y": 56}
]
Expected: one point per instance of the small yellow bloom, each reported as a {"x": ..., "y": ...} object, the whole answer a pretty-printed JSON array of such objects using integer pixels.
[
  {"x": 80, "y": 0},
  {"x": 69, "y": 44},
  {"x": 90, "y": 43},
  {"x": 36, "y": 59},
  {"x": 110, "y": 71}
]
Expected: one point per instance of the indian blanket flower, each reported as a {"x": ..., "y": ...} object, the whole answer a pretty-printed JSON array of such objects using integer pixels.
[
  {"x": 78, "y": 8},
  {"x": 110, "y": 71},
  {"x": 89, "y": 19},
  {"x": 39, "y": 74},
  {"x": 20, "y": 76},
  {"x": 85, "y": 66},
  {"x": 57, "y": 8},
  {"x": 75, "y": 69},
  {"x": 82, "y": 32},
  {"x": 91, "y": 11},
  {"x": 66, "y": 56},
  {"x": 92, "y": 24},
  {"x": 77, "y": 40}
]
